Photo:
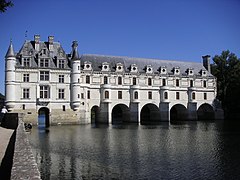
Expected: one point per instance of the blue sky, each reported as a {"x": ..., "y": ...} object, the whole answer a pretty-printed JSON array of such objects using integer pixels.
[{"x": 163, "y": 29}]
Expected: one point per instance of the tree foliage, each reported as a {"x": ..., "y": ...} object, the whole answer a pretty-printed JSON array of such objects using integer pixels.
[
  {"x": 226, "y": 68},
  {"x": 4, "y": 5}
]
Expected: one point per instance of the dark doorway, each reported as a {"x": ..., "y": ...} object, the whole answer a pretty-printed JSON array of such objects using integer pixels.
[
  {"x": 120, "y": 114},
  {"x": 150, "y": 113},
  {"x": 43, "y": 117},
  {"x": 205, "y": 112},
  {"x": 95, "y": 114},
  {"x": 178, "y": 113}
]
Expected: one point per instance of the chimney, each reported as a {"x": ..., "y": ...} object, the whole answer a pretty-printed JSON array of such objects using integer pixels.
[
  {"x": 50, "y": 43},
  {"x": 36, "y": 42},
  {"x": 206, "y": 62}
]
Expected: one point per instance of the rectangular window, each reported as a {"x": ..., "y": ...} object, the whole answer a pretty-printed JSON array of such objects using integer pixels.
[
  {"x": 25, "y": 77},
  {"x": 88, "y": 94},
  {"x": 191, "y": 83},
  {"x": 64, "y": 108},
  {"x": 44, "y": 75},
  {"x": 105, "y": 80},
  {"x": 204, "y": 83},
  {"x": 205, "y": 96},
  {"x": 60, "y": 93},
  {"x": 26, "y": 94},
  {"x": 177, "y": 95},
  {"x": 163, "y": 82},
  {"x": 119, "y": 94},
  {"x": 149, "y": 95},
  {"x": 61, "y": 63},
  {"x": 44, "y": 63},
  {"x": 44, "y": 92},
  {"x": 61, "y": 78},
  {"x": 87, "y": 79},
  {"x": 149, "y": 81},
  {"x": 177, "y": 82},
  {"x": 134, "y": 81},
  {"x": 26, "y": 62},
  {"x": 82, "y": 95},
  {"x": 119, "y": 80}
]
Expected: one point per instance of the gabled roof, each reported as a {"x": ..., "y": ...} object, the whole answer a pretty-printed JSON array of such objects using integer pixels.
[{"x": 141, "y": 63}]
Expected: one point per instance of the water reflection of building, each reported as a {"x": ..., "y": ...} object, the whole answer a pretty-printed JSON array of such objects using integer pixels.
[{"x": 42, "y": 78}]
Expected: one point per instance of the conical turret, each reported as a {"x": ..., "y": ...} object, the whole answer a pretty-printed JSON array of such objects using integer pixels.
[
  {"x": 10, "y": 62},
  {"x": 10, "y": 52}
]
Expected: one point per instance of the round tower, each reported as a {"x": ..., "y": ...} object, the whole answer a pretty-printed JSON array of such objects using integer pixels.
[
  {"x": 10, "y": 63},
  {"x": 75, "y": 77}
]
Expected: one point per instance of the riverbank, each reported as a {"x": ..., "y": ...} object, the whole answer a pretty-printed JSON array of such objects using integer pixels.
[{"x": 17, "y": 160}]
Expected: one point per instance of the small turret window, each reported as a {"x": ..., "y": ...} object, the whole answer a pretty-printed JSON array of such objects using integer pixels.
[
  {"x": 106, "y": 95},
  {"x": 135, "y": 95}
]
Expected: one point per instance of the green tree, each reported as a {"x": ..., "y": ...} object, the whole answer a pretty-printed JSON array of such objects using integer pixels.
[
  {"x": 226, "y": 68},
  {"x": 4, "y": 5}
]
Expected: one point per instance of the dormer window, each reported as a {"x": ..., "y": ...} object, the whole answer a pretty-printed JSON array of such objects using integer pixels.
[
  {"x": 190, "y": 72},
  {"x": 105, "y": 66},
  {"x": 44, "y": 63},
  {"x": 163, "y": 70},
  {"x": 176, "y": 71},
  {"x": 119, "y": 67},
  {"x": 44, "y": 51},
  {"x": 134, "y": 68},
  {"x": 26, "y": 62},
  {"x": 87, "y": 66},
  {"x": 149, "y": 69},
  {"x": 203, "y": 72}
]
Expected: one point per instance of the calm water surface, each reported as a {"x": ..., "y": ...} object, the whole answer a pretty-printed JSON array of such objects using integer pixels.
[{"x": 187, "y": 150}]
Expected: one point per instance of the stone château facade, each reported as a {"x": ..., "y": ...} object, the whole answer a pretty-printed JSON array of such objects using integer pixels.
[{"x": 68, "y": 88}]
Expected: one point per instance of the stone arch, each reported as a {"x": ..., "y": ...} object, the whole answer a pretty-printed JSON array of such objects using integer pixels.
[
  {"x": 205, "y": 112},
  {"x": 95, "y": 111},
  {"x": 149, "y": 113},
  {"x": 178, "y": 112},
  {"x": 43, "y": 117},
  {"x": 120, "y": 114}
]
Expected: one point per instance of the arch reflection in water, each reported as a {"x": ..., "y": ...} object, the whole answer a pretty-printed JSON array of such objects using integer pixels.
[{"x": 43, "y": 117}]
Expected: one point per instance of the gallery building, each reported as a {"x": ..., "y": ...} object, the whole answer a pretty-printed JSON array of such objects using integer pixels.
[{"x": 42, "y": 79}]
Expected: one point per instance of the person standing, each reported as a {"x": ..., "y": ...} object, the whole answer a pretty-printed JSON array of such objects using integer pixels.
[{"x": 3, "y": 112}]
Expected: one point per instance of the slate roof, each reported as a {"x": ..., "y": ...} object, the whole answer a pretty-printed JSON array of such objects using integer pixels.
[
  {"x": 141, "y": 63},
  {"x": 28, "y": 50},
  {"x": 10, "y": 52}
]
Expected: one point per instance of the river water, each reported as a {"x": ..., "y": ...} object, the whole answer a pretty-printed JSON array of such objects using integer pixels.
[{"x": 186, "y": 150}]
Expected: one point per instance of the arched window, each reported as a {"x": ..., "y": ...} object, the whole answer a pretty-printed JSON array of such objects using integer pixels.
[
  {"x": 135, "y": 95},
  {"x": 105, "y": 80},
  {"x": 193, "y": 95},
  {"x": 165, "y": 95},
  {"x": 149, "y": 81},
  {"x": 106, "y": 95},
  {"x": 119, "y": 80}
]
